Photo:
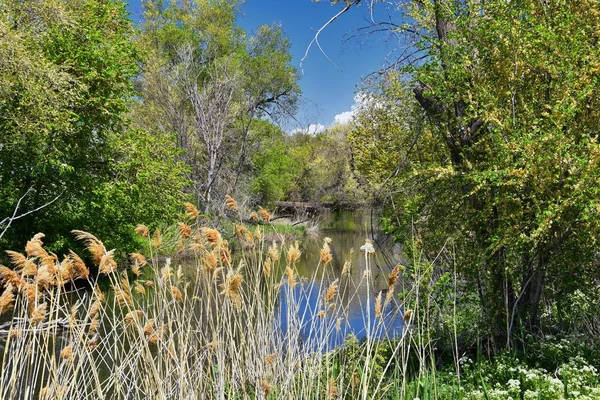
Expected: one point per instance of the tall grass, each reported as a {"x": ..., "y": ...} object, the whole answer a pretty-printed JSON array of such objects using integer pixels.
[{"x": 221, "y": 329}]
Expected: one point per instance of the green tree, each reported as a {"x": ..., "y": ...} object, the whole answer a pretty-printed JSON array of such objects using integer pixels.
[
  {"x": 504, "y": 93},
  {"x": 205, "y": 81},
  {"x": 65, "y": 89}
]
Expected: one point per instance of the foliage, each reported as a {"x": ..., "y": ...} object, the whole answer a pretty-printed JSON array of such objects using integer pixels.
[
  {"x": 504, "y": 159},
  {"x": 65, "y": 89},
  {"x": 208, "y": 83}
]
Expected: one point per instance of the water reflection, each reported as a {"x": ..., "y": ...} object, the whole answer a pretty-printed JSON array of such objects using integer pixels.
[{"x": 324, "y": 326}]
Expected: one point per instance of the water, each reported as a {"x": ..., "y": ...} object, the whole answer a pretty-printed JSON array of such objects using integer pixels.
[{"x": 347, "y": 231}]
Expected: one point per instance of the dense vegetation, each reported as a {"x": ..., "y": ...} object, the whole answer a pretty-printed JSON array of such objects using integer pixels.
[{"x": 481, "y": 141}]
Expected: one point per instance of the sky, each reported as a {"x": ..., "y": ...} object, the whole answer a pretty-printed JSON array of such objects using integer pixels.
[{"x": 328, "y": 90}]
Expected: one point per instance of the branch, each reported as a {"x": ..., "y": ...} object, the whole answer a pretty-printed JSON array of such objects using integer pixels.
[
  {"x": 315, "y": 39},
  {"x": 8, "y": 220}
]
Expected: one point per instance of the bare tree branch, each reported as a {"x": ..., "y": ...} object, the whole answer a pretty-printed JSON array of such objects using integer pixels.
[{"x": 9, "y": 220}]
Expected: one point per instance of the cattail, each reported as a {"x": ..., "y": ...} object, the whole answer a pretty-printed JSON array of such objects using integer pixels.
[
  {"x": 331, "y": 291},
  {"x": 210, "y": 262},
  {"x": 378, "y": 305},
  {"x": 39, "y": 314},
  {"x": 142, "y": 230},
  {"x": 177, "y": 295},
  {"x": 230, "y": 203},
  {"x": 67, "y": 352},
  {"x": 34, "y": 248},
  {"x": 407, "y": 315},
  {"x": 93, "y": 244},
  {"x": 7, "y": 299},
  {"x": 264, "y": 214},
  {"x": 80, "y": 270},
  {"x": 291, "y": 278},
  {"x": 293, "y": 254},
  {"x": 254, "y": 217},
  {"x": 107, "y": 263},
  {"x": 393, "y": 277},
  {"x": 191, "y": 211},
  {"x": 184, "y": 230},
  {"x": 211, "y": 235},
  {"x": 231, "y": 287},
  {"x": 156, "y": 239},
  {"x": 139, "y": 289},
  {"x": 267, "y": 268},
  {"x": 134, "y": 315},
  {"x": 326, "y": 256}
]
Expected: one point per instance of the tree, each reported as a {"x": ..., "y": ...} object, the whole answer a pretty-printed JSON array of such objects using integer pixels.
[
  {"x": 506, "y": 93},
  {"x": 209, "y": 83},
  {"x": 65, "y": 90}
]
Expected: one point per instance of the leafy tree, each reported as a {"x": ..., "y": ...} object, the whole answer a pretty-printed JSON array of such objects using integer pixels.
[
  {"x": 504, "y": 94},
  {"x": 207, "y": 83},
  {"x": 65, "y": 90}
]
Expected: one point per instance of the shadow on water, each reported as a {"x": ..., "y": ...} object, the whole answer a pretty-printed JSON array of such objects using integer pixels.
[{"x": 348, "y": 231}]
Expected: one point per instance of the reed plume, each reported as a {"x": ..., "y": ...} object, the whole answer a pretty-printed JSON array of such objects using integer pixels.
[
  {"x": 39, "y": 314},
  {"x": 231, "y": 287},
  {"x": 331, "y": 291},
  {"x": 17, "y": 259},
  {"x": 378, "y": 305},
  {"x": 67, "y": 352},
  {"x": 79, "y": 268},
  {"x": 93, "y": 244},
  {"x": 326, "y": 256},
  {"x": 7, "y": 299},
  {"x": 291, "y": 278},
  {"x": 273, "y": 252},
  {"x": 267, "y": 268},
  {"x": 34, "y": 248},
  {"x": 156, "y": 239},
  {"x": 264, "y": 214},
  {"x": 211, "y": 235},
  {"x": 230, "y": 203},
  {"x": 177, "y": 295},
  {"x": 142, "y": 230},
  {"x": 107, "y": 263},
  {"x": 184, "y": 230},
  {"x": 254, "y": 217},
  {"x": 10, "y": 277},
  {"x": 293, "y": 254},
  {"x": 191, "y": 211}
]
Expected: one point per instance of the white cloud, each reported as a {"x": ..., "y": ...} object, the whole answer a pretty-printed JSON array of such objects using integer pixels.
[
  {"x": 312, "y": 129},
  {"x": 361, "y": 100}
]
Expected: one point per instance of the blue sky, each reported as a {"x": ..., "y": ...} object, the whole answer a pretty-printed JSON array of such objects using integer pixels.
[{"x": 327, "y": 91}]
